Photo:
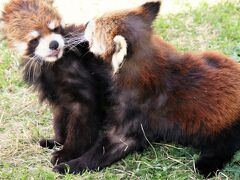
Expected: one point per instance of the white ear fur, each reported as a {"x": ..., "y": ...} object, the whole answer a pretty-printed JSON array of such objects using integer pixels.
[{"x": 120, "y": 52}]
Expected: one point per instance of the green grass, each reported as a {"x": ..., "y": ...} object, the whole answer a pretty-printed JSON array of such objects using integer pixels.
[{"x": 23, "y": 121}]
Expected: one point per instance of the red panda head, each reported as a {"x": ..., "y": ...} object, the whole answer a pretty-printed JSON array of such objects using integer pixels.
[
  {"x": 34, "y": 29},
  {"x": 115, "y": 34}
]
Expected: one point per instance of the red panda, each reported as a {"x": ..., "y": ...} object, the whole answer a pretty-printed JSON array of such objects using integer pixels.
[
  {"x": 67, "y": 79},
  {"x": 161, "y": 94}
]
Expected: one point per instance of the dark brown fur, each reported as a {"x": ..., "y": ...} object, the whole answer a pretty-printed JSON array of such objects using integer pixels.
[
  {"x": 74, "y": 85},
  {"x": 161, "y": 94}
]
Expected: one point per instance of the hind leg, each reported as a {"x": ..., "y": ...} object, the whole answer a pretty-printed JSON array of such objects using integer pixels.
[
  {"x": 210, "y": 162},
  {"x": 102, "y": 154},
  {"x": 110, "y": 147}
]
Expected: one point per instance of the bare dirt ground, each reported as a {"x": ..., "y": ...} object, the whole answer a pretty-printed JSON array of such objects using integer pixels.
[{"x": 80, "y": 11}]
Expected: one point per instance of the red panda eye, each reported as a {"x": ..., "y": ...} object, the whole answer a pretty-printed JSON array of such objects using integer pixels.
[
  {"x": 57, "y": 29},
  {"x": 34, "y": 42}
]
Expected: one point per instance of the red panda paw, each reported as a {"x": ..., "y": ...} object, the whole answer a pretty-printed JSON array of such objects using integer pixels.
[
  {"x": 208, "y": 167},
  {"x": 71, "y": 167},
  {"x": 47, "y": 143},
  {"x": 59, "y": 157}
]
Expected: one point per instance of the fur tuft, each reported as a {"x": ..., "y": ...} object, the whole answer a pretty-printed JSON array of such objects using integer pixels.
[{"x": 120, "y": 52}]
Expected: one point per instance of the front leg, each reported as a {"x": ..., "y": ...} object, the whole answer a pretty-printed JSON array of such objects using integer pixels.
[
  {"x": 59, "y": 125},
  {"x": 82, "y": 130},
  {"x": 105, "y": 151},
  {"x": 128, "y": 134}
]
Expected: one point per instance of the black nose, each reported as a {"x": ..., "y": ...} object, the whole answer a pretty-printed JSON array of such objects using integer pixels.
[{"x": 53, "y": 45}]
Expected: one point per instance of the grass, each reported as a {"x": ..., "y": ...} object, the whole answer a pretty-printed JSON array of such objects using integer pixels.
[{"x": 23, "y": 121}]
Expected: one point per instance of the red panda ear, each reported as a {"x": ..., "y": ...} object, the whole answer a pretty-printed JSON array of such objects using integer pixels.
[
  {"x": 120, "y": 52},
  {"x": 151, "y": 10}
]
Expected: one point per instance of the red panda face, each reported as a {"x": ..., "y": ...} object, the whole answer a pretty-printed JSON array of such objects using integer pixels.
[
  {"x": 34, "y": 29},
  {"x": 47, "y": 47}
]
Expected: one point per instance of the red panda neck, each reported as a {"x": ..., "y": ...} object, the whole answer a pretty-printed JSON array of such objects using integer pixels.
[{"x": 146, "y": 68}]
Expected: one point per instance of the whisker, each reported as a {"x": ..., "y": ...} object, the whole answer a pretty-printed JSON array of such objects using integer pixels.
[
  {"x": 31, "y": 66},
  {"x": 74, "y": 33},
  {"x": 30, "y": 70},
  {"x": 75, "y": 42},
  {"x": 25, "y": 65},
  {"x": 34, "y": 71}
]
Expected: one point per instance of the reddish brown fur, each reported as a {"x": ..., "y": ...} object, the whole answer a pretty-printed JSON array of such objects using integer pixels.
[
  {"x": 218, "y": 102},
  {"x": 161, "y": 94},
  {"x": 147, "y": 67},
  {"x": 37, "y": 15}
]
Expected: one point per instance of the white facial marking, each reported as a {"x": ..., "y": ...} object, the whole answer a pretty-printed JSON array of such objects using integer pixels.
[
  {"x": 52, "y": 25},
  {"x": 62, "y": 23},
  {"x": 120, "y": 52},
  {"x": 33, "y": 34},
  {"x": 20, "y": 47},
  {"x": 45, "y": 52},
  {"x": 97, "y": 46}
]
